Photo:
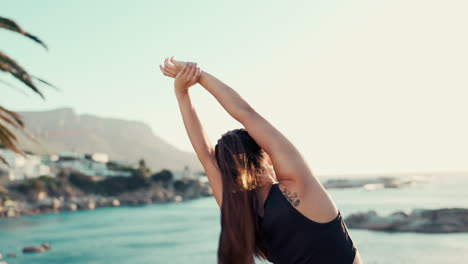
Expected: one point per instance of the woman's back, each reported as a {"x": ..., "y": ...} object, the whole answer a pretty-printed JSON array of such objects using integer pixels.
[{"x": 291, "y": 237}]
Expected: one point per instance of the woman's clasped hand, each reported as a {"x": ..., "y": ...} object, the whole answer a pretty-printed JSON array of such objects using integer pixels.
[{"x": 186, "y": 74}]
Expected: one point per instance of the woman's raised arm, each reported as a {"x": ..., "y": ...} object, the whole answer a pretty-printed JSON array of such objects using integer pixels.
[
  {"x": 288, "y": 162},
  {"x": 186, "y": 76}
]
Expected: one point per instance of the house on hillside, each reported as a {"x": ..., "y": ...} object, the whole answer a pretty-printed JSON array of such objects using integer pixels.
[
  {"x": 21, "y": 167},
  {"x": 94, "y": 164}
]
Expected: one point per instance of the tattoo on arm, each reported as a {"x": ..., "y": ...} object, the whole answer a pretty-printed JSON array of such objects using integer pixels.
[{"x": 291, "y": 197}]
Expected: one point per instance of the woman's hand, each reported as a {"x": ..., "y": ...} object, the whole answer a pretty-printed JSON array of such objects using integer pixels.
[
  {"x": 186, "y": 77},
  {"x": 171, "y": 67}
]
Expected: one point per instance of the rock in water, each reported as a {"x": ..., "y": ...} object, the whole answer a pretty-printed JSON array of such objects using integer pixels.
[
  {"x": 115, "y": 203},
  {"x": 72, "y": 207},
  {"x": 446, "y": 220},
  {"x": 46, "y": 246},
  {"x": 33, "y": 249}
]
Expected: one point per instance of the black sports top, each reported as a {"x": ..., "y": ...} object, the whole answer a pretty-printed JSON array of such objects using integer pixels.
[{"x": 292, "y": 238}]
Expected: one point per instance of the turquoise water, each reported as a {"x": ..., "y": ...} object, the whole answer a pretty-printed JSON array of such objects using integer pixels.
[{"x": 188, "y": 232}]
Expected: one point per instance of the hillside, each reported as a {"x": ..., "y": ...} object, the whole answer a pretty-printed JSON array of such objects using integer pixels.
[{"x": 62, "y": 130}]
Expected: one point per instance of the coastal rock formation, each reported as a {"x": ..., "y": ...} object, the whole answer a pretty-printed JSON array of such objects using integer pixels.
[
  {"x": 372, "y": 183},
  {"x": 32, "y": 196},
  {"x": 446, "y": 220},
  {"x": 87, "y": 205},
  {"x": 115, "y": 203},
  {"x": 72, "y": 207},
  {"x": 33, "y": 249}
]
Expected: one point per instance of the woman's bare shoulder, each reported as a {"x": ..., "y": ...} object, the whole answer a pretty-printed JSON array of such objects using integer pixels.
[{"x": 310, "y": 199}]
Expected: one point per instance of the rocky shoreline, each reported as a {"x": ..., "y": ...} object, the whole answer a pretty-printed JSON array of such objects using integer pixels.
[
  {"x": 18, "y": 200},
  {"x": 11, "y": 209},
  {"x": 445, "y": 220}
]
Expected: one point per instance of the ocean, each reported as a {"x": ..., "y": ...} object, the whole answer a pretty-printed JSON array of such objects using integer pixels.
[{"x": 188, "y": 232}]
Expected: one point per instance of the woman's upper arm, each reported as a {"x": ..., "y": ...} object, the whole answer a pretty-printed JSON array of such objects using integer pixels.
[
  {"x": 214, "y": 177},
  {"x": 288, "y": 162}
]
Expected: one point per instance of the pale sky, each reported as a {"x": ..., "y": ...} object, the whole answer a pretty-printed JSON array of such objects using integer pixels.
[{"x": 358, "y": 86}]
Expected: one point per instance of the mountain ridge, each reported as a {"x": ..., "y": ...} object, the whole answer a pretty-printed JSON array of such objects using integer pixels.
[{"x": 62, "y": 130}]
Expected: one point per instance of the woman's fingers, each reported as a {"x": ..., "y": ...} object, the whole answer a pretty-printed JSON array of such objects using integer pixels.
[
  {"x": 166, "y": 61},
  {"x": 182, "y": 71},
  {"x": 191, "y": 73},
  {"x": 169, "y": 70},
  {"x": 196, "y": 75},
  {"x": 166, "y": 72},
  {"x": 163, "y": 70},
  {"x": 169, "y": 65},
  {"x": 177, "y": 64},
  {"x": 187, "y": 71}
]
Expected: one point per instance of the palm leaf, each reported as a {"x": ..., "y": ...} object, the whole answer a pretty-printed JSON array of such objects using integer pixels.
[
  {"x": 9, "y": 140},
  {"x": 11, "y": 25},
  {"x": 16, "y": 121},
  {"x": 9, "y": 65},
  {"x": 4, "y": 161},
  {"x": 7, "y": 137},
  {"x": 11, "y": 118},
  {"x": 46, "y": 82}
]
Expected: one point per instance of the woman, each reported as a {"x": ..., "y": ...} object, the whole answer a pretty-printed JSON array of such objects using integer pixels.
[{"x": 272, "y": 206}]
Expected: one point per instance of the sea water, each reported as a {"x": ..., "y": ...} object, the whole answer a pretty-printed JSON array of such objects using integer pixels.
[{"x": 188, "y": 232}]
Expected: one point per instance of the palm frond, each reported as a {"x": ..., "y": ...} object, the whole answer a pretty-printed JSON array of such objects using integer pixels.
[
  {"x": 9, "y": 65},
  {"x": 8, "y": 119},
  {"x": 11, "y": 118},
  {"x": 4, "y": 161},
  {"x": 9, "y": 139},
  {"x": 11, "y": 25},
  {"x": 15, "y": 120},
  {"x": 46, "y": 82}
]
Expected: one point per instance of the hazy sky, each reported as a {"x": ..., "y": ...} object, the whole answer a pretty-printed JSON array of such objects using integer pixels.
[{"x": 358, "y": 86}]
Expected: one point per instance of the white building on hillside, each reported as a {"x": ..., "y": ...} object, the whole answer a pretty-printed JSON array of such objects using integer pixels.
[
  {"x": 21, "y": 167},
  {"x": 94, "y": 164}
]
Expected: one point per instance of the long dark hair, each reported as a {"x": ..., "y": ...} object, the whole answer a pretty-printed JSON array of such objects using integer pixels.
[{"x": 240, "y": 160}]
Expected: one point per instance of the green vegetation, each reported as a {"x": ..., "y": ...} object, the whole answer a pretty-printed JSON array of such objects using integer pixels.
[
  {"x": 89, "y": 184},
  {"x": 111, "y": 185},
  {"x": 43, "y": 183},
  {"x": 164, "y": 177}
]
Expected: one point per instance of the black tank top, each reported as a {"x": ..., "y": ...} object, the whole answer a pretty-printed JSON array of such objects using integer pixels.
[{"x": 292, "y": 238}]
